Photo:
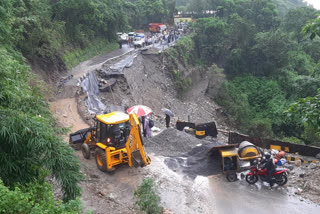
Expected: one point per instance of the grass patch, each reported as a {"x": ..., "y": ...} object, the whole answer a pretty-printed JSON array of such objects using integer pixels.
[{"x": 74, "y": 57}]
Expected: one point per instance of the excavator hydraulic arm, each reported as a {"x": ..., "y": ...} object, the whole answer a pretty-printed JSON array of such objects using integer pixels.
[{"x": 134, "y": 145}]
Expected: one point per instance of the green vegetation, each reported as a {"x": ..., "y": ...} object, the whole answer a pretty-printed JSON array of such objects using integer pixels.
[
  {"x": 75, "y": 56},
  {"x": 313, "y": 28},
  {"x": 224, "y": 7},
  {"x": 35, "y": 198},
  {"x": 143, "y": 12},
  {"x": 147, "y": 197},
  {"x": 183, "y": 51},
  {"x": 284, "y": 6},
  {"x": 269, "y": 63},
  {"x": 28, "y": 134},
  {"x": 182, "y": 83}
]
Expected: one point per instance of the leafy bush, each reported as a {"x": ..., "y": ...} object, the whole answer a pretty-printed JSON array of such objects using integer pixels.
[
  {"x": 256, "y": 104},
  {"x": 308, "y": 111},
  {"x": 182, "y": 83},
  {"x": 29, "y": 140},
  {"x": 147, "y": 197},
  {"x": 34, "y": 198},
  {"x": 184, "y": 50}
]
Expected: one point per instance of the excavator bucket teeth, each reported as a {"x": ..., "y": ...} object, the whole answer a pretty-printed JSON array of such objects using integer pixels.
[{"x": 137, "y": 159}]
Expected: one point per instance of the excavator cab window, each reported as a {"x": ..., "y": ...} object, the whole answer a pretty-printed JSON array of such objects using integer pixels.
[
  {"x": 115, "y": 135},
  {"x": 102, "y": 131},
  {"x": 120, "y": 133}
]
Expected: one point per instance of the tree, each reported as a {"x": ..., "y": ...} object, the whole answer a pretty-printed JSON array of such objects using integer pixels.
[
  {"x": 312, "y": 28},
  {"x": 309, "y": 110},
  {"x": 269, "y": 53},
  {"x": 296, "y": 19},
  {"x": 284, "y": 6},
  {"x": 212, "y": 40}
]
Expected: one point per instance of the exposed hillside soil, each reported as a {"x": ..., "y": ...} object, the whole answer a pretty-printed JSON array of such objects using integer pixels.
[{"x": 66, "y": 112}]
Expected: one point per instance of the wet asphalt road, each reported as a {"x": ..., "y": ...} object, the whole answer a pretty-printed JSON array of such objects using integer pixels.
[
  {"x": 235, "y": 197},
  {"x": 242, "y": 198}
]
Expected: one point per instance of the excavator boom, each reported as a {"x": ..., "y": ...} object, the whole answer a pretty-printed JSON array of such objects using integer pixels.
[{"x": 136, "y": 153}]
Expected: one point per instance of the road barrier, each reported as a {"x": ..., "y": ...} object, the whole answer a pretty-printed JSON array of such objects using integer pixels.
[{"x": 236, "y": 138}]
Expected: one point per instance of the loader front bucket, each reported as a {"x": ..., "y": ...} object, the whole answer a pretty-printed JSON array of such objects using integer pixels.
[{"x": 79, "y": 137}]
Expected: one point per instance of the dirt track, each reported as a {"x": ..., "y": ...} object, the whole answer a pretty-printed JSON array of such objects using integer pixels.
[{"x": 151, "y": 85}]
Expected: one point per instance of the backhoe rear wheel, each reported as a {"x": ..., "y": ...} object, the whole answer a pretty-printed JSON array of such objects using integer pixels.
[
  {"x": 232, "y": 177},
  {"x": 101, "y": 159},
  {"x": 85, "y": 151}
]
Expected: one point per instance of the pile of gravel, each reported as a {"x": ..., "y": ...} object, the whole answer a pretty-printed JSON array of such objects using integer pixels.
[
  {"x": 172, "y": 142},
  {"x": 185, "y": 153}
]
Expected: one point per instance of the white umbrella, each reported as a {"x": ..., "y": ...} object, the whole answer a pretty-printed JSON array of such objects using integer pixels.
[{"x": 168, "y": 112}]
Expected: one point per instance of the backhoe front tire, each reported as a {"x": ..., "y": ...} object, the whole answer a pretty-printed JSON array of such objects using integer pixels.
[
  {"x": 85, "y": 151},
  {"x": 101, "y": 159}
]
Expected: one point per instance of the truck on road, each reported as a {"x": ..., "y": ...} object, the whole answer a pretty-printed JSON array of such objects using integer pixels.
[{"x": 157, "y": 27}]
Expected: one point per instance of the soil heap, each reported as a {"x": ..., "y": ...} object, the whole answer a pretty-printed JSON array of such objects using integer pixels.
[
  {"x": 185, "y": 153},
  {"x": 172, "y": 142}
]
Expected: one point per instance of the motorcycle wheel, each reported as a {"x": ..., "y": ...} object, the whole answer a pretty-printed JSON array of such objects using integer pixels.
[
  {"x": 251, "y": 179},
  {"x": 281, "y": 180}
]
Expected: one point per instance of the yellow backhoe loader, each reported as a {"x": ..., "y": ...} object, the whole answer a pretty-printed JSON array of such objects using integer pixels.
[{"x": 116, "y": 138}]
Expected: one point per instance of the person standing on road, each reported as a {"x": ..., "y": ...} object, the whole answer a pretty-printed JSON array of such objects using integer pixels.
[
  {"x": 167, "y": 121},
  {"x": 120, "y": 43}
]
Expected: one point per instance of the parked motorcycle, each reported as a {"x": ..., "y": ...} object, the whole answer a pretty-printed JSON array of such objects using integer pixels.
[{"x": 280, "y": 176}]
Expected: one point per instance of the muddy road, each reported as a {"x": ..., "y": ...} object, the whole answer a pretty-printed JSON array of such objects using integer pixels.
[{"x": 188, "y": 179}]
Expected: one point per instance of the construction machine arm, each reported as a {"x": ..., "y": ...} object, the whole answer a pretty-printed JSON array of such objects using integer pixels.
[{"x": 134, "y": 145}]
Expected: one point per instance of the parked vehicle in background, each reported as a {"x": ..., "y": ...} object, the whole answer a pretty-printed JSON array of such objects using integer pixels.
[
  {"x": 157, "y": 27},
  {"x": 131, "y": 35},
  {"x": 139, "y": 40},
  {"x": 122, "y": 36}
]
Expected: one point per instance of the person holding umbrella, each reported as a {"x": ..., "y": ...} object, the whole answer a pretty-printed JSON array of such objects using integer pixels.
[
  {"x": 143, "y": 119},
  {"x": 142, "y": 112},
  {"x": 147, "y": 127},
  {"x": 167, "y": 121},
  {"x": 168, "y": 114}
]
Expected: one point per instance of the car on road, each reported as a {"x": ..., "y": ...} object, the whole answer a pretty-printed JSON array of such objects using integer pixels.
[
  {"x": 139, "y": 40},
  {"x": 122, "y": 36},
  {"x": 132, "y": 35}
]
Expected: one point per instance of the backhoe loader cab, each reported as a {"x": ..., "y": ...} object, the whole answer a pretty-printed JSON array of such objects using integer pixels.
[
  {"x": 116, "y": 139},
  {"x": 112, "y": 129}
]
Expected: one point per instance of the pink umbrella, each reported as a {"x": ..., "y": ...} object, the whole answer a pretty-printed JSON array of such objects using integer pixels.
[{"x": 140, "y": 110}]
